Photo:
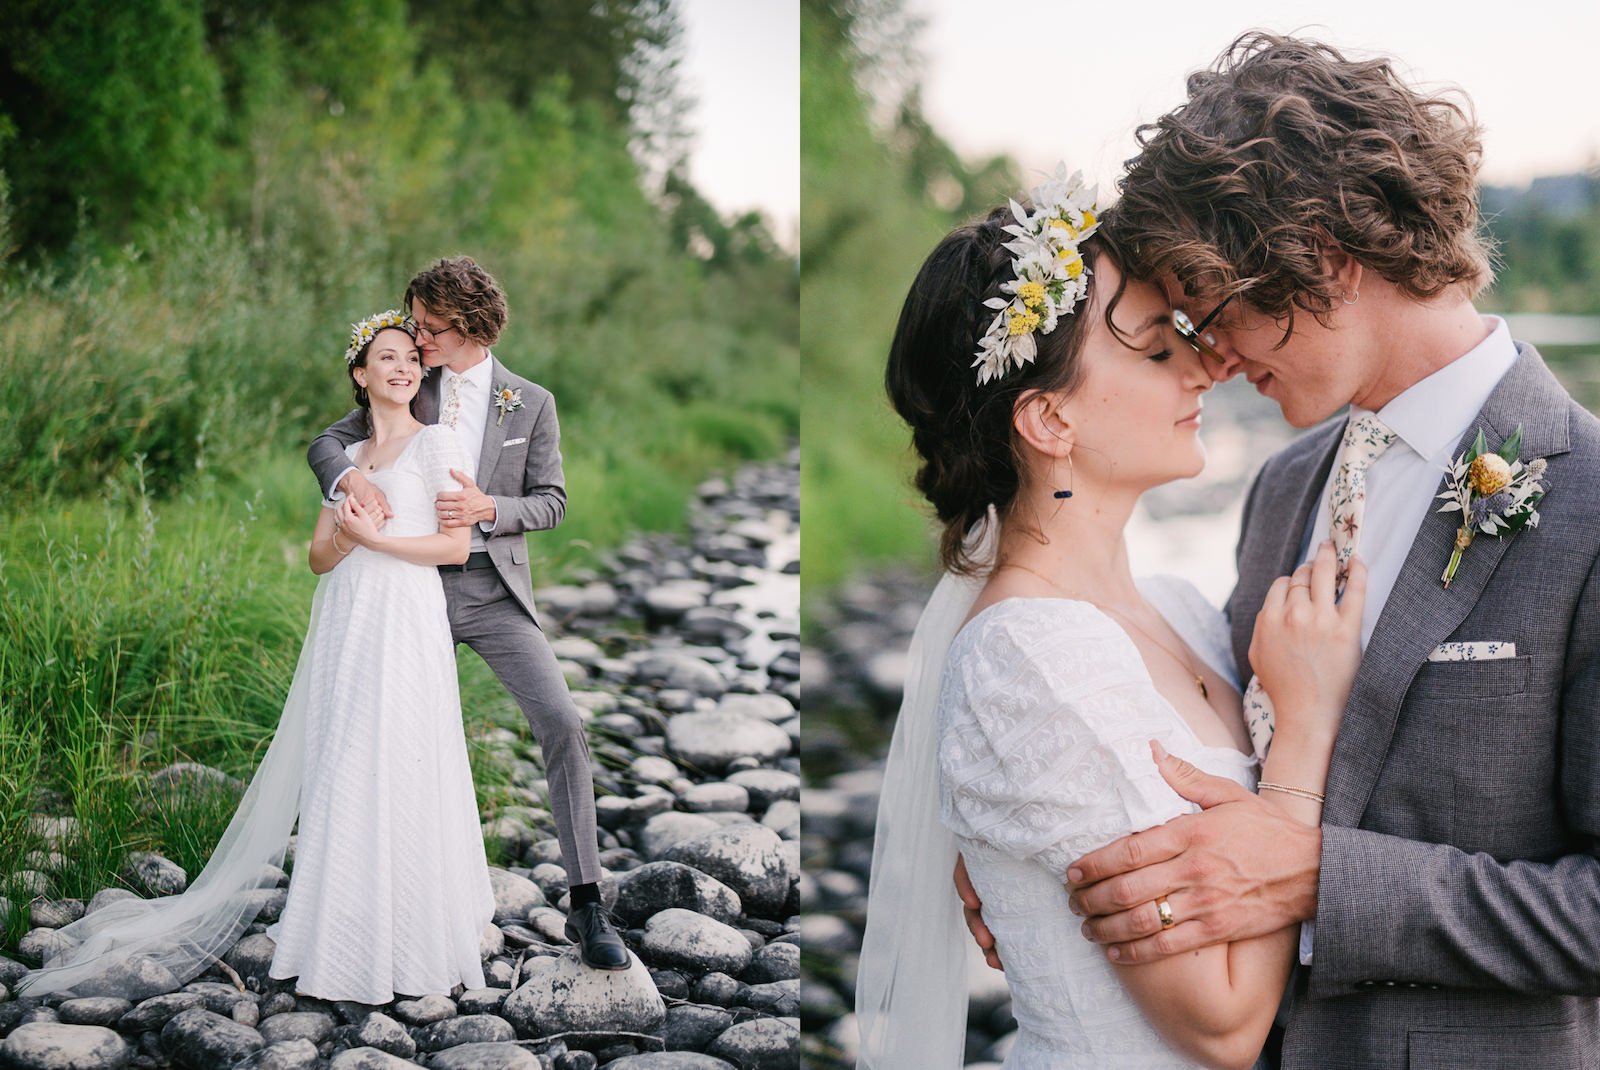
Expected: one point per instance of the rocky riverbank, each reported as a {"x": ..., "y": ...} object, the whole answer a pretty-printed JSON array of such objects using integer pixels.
[{"x": 685, "y": 655}]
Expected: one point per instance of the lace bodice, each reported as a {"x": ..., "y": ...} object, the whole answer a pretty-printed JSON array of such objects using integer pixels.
[{"x": 1046, "y": 712}]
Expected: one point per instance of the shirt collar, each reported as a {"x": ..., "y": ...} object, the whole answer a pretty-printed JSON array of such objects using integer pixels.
[
  {"x": 478, "y": 375},
  {"x": 1431, "y": 415}
]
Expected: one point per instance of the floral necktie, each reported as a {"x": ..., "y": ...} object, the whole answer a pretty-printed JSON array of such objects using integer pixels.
[
  {"x": 1365, "y": 440},
  {"x": 452, "y": 403}
]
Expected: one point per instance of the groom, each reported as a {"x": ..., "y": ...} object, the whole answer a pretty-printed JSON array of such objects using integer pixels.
[
  {"x": 508, "y": 427},
  {"x": 1322, "y": 216}
]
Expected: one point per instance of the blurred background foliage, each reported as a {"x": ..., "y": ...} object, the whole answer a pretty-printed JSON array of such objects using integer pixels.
[
  {"x": 196, "y": 198},
  {"x": 880, "y": 187}
]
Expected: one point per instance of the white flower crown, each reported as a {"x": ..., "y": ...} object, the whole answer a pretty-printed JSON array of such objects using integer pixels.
[
  {"x": 1051, "y": 277},
  {"x": 363, "y": 332}
]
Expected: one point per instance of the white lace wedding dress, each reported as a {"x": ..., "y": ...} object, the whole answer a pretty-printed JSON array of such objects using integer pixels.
[
  {"x": 390, "y": 891},
  {"x": 390, "y": 887},
  {"x": 1046, "y": 711}
]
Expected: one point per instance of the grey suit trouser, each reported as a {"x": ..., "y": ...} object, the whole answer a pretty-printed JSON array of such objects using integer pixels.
[{"x": 485, "y": 617}]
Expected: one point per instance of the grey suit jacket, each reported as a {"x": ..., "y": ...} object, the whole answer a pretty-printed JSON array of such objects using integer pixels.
[
  {"x": 1458, "y": 912},
  {"x": 519, "y": 466}
]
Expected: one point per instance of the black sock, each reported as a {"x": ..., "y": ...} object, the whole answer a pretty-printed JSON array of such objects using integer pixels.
[{"x": 584, "y": 894}]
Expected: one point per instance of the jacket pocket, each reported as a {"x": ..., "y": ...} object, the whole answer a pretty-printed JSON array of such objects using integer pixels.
[
  {"x": 1492, "y": 678},
  {"x": 1512, "y": 1049}
]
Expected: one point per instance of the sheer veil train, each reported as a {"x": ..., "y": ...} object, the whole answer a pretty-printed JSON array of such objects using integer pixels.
[
  {"x": 133, "y": 943},
  {"x": 911, "y": 992}
]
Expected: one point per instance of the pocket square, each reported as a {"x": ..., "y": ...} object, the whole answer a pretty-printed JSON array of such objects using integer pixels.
[
  {"x": 512, "y": 442},
  {"x": 1490, "y": 650}
]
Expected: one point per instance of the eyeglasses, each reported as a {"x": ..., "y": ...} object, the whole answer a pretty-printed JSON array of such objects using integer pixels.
[
  {"x": 431, "y": 332},
  {"x": 1192, "y": 334}
]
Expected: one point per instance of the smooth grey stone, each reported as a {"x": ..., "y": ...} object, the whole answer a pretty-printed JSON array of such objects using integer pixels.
[
  {"x": 778, "y": 998},
  {"x": 765, "y": 706},
  {"x": 11, "y": 971},
  {"x": 252, "y": 956},
  {"x": 380, "y": 1031},
  {"x": 137, "y": 979},
  {"x": 246, "y": 1013},
  {"x": 487, "y": 1056},
  {"x": 576, "y": 648},
  {"x": 106, "y": 896},
  {"x": 296, "y": 1025},
  {"x": 56, "y": 1046},
  {"x": 497, "y": 973},
  {"x": 827, "y": 932},
  {"x": 278, "y": 1003},
  {"x": 514, "y": 896},
  {"x": 424, "y": 1011},
  {"x": 192, "y": 777},
  {"x": 481, "y": 1000},
  {"x": 670, "y": 1060},
  {"x": 562, "y": 995},
  {"x": 29, "y": 883},
  {"x": 672, "y": 600},
  {"x": 368, "y": 1059},
  {"x": 783, "y": 817},
  {"x": 747, "y": 858},
  {"x": 197, "y": 1039},
  {"x": 767, "y": 786},
  {"x": 692, "y": 1026},
  {"x": 576, "y": 1060},
  {"x": 508, "y": 835},
  {"x": 759, "y": 1044},
  {"x": 774, "y": 962},
  {"x": 652, "y": 769},
  {"x": 297, "y": 1054},
  {"x": 551, "y": 877},
  {"x": 54, "y": 913},
  {"x": 155, "y": 874},
  {"x": 39, "y": 944},
  {"x": 664, "y": 830},
  {"x": 157, "y": 1011},
  {"x": 672, "y": 670},
  {"x": 710, "y": 741},
  {"x": 550, "y": 924},
  {"x": 716, "y": 989},
  {"x": 716, "y": 796},
  {"x": 466, "y": 1029},
  {"x": 655, "y": 886},
  {"x": 491, "y": 942},
  {"x": 94, "y": 1010},
  {"x": 682, "y": 938},
  {"x": 5, "y": 994}
]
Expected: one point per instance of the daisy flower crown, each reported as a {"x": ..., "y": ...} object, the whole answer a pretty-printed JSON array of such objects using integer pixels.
[
  {"x": 1050, "y": 277},
  {"x": 363, "y": 332}
]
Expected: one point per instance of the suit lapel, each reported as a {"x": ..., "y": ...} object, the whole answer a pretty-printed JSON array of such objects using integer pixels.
[
  {"x": 428, "y": 397},
  {"x": 1420, "y": 613},
  {"x": 494, "y": 430}
]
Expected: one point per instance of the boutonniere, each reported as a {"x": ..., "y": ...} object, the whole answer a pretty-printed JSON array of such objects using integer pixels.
[
  {"x": 1495, "y": 494},
  {"x": 506, "y": 400}
]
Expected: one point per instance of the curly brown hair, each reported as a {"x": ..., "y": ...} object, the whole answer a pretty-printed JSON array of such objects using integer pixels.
[
  {"x": 1284, "y": 146},
  {"x": 467, "y": 296}
]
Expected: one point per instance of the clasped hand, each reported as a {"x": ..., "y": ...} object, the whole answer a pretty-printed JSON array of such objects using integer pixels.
[{"x": 465, "y": 507}]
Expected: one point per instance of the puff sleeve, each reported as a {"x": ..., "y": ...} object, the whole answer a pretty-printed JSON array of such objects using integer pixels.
[
  {"x": 1046, "y": 713},
  {"x": 440, "y": 451}
]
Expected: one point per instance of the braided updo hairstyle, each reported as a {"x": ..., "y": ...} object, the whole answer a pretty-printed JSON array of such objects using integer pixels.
[{"x": 962, "y": 431}]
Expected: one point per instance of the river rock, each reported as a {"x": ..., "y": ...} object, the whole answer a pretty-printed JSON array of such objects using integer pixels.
[
  {"x": 252, "y": 957},
  {"x": 491, "y": 1056},
  {"x": 157, "y": 1011},
  {"x": 661, "y": 832},
  {"x": 682, "y": 938},
  {"x": 760, "y": 1044},
  {"x": 94, "y": 1010},
  {"x": 137, "y": 979},
  {"x": 749, "y": 859},
  {"x": 783, "y": 817},
  {"x": 380, "y": 1031},
  {"x": 767, "y": 786},
  {"x": 299, "y": 1054},
  {"x": 368, "y": 1059},
  {"x": 683, "y": 671},
  {"x": 669, "y": 1060},
  {"x": 716, "y": 796},
  {"x": 191, "y": 777},
  {"x": 197, "y": 1039},
  {"x": 514, "y": 896},
  {"x": 54, "y": 913},
  {"x": 297, "y": 1025},
  {"x": 57, "y": 1046},
  {"x": 656, "y": 886},
  {"x": 562, "y": 995},
  {"x": 692, "y": 1026},
  {"x": 423, "y": 1011},
  {"x": 764, "y": 706},
  {"x": 774, "y": 962},
  {"x": 466, "y": 1029},
  {"x": 154, "y": 874},
  {"x": 710, "y": 741},
  {"x": 106, "y": 896}
]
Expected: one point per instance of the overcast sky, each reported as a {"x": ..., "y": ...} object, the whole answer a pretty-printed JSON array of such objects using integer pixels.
[
  {"x": 742, "y": 67},
  {"x": 1045, "y": 80}
]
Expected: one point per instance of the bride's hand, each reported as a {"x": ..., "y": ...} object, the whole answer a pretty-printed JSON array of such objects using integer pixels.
[
  {"x": 357, "y": 523},
  {"x": 1306, "y": 648}
]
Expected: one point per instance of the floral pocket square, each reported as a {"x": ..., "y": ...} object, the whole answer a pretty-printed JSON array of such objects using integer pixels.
[{"x": 1481, "y": 651}]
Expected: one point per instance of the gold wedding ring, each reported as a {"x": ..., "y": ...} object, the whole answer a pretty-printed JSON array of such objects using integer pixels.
[{"x": 1164, "y": 911}]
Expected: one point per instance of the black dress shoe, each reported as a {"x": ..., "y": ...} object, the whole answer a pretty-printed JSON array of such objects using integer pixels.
[{"x": 590, "y": 928}]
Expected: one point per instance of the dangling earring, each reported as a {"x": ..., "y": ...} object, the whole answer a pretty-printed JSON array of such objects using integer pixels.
[
  {"x": 361, "y": 396},
  {"x": 1070, "y": 480}
]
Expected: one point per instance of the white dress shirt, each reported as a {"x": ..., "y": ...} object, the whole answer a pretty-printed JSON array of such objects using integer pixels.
[
  {"x": 472, "y": 419},
  {"x": 1428, "y": 419}
]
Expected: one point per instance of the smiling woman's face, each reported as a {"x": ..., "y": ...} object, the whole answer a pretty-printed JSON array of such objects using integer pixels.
[
  {"x": 1137, "y": 412},
  {"x": 392, "y": 371}
]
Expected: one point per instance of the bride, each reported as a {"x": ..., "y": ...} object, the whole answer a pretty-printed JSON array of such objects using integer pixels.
[
  {"x": 390, "y": 891},
  {"x": 1045, "y": 681}
]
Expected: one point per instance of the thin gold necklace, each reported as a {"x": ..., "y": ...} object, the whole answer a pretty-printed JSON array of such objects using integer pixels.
[{"x": 1189, "y": 666}]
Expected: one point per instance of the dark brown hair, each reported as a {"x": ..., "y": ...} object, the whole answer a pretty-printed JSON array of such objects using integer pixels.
[
  {"x": 962, "y": 431},
  {"x": 1284, "y": 145},
  {"x": 464, "y": 295}
]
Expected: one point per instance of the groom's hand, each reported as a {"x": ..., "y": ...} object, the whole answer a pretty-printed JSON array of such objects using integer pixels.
[
  {"x": 465, "y": 507},
  {"x": 971, "y": 907},
  {"x": 373, "y": 501},
  {"x": 1238, "y": 869}
]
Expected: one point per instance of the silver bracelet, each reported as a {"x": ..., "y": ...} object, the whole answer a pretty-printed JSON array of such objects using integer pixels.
[{"x": 1299, "y": 793}]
